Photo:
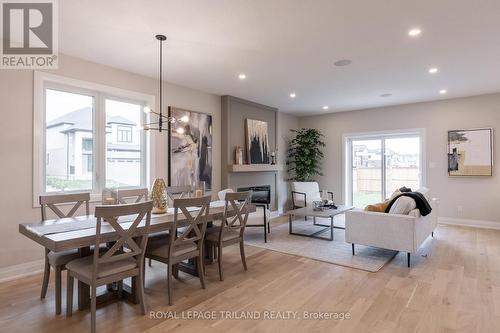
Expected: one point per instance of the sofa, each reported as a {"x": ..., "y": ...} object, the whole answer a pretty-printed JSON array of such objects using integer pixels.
[{"x": 391, "y": 231}]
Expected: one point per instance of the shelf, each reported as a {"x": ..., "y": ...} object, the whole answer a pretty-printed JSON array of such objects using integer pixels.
[{"x": 254, "y": 167}]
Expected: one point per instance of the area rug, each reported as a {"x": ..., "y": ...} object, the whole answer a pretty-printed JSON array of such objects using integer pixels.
[{"x": 336, "y": 252}]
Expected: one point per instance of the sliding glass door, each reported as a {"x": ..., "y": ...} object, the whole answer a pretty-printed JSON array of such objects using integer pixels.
[
  {"x": 380, "y": 164},
  {"x": 366, "y": 171}
]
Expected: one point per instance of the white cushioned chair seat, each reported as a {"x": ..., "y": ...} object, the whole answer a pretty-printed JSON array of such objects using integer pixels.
[
  {"x": 213, "y": 235},
  {"x": 257, "y": 217},
  {"x": 62, "y": 258},
  {"x": 84, "y": 266},
  {"x": 222, "y": 194},
  {"x": 160, "y": 248},
  {"x": 311, "y": 189}
]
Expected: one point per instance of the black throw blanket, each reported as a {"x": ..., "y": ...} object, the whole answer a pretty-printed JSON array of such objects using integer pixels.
[{"x": 422, "y": 204}]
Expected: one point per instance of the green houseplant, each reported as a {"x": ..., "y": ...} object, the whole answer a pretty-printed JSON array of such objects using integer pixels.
[{"x": 305, "y": 154}]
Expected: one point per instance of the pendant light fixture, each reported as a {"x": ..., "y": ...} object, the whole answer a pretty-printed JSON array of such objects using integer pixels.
[{"x": 162, "y": 119}]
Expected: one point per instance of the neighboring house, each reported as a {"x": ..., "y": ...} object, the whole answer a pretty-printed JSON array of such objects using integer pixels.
[
  {"x": 70, "y": 147},
  {"x": 372, "y": 158}
]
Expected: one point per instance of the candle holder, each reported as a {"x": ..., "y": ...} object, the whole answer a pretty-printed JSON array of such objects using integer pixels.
[{"x": 199, "y": 189}]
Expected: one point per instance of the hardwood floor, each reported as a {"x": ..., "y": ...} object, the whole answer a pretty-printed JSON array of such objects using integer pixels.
[{"x": 453, "y": 286}]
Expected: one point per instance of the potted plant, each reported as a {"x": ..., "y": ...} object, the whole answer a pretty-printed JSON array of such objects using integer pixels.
[{"x": 305, "y": 154}]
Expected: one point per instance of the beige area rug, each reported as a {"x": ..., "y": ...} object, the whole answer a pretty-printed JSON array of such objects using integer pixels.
[{"x": 337, "y": 252}]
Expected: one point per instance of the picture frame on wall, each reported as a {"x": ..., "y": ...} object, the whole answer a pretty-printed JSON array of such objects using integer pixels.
[
  {"x": 190, "y": 148},
  {"x": 257, "y": 141},
  {"x": 470, "y": 152}
]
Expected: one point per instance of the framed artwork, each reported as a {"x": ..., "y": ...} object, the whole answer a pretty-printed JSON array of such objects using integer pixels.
[
  {"x": 257, "y": 142},
  {"x": 470, "y": 152},
  {"x": 190, "y": 147}
]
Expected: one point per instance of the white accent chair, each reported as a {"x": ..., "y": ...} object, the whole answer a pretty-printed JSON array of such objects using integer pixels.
[
  {"x": 304, "y": 193},
  {"x": 391, "y": 231}
]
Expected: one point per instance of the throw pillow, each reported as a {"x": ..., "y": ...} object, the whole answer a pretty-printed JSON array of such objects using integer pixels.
[
  {"x": 403, "y": 205},
  {"x": 379, "y": 207}
]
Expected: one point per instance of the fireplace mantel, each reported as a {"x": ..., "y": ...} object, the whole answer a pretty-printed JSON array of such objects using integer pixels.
[{"x": 254, "y": 167}]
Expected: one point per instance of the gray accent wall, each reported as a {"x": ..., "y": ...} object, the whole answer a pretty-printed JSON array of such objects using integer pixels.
[{"x": 234, "y": 112}]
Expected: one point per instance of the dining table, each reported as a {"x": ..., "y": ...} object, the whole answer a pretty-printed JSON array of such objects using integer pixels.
[{"x": 79, "y": 233}]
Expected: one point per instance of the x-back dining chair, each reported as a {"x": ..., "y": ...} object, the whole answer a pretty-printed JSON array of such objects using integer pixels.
[
  {"x": 131, "y": 195},
  {"x": 179, "y": 192},
  {"x": 58, "y": 260},
  {"x": 232, "y": 227},
  {"x": 115, "y": 264},
  {"x": 187, "y": 242},
  {"x": 173, "y": 192}
]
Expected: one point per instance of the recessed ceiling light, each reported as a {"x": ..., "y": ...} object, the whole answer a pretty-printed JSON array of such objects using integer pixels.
[
  {"x": 433, "y": 70},
  {"x": 414, "y": 32},
  {"x": 325, "y": 107},
  {"x": 242, "y": 76},
  {"x": 442, "y": 91},
  {"x": 343, "y": 62},
  {"x": 293, "y": 95},
  {"x": 385, "y": 95}
]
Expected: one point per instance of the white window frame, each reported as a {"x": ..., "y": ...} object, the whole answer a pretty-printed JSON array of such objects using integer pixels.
[
  {"x": 347, "y": 154},
  {"x": 42, "y": 81}
]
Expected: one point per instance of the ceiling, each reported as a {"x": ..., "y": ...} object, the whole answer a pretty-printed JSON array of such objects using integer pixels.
[{"x": 286, "y": 46}]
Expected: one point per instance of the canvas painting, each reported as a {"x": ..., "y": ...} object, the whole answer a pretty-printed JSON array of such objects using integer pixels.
[
  {"x": 470, "y": 152},
  {"x": 257, "y": 142},
  {"x": 190, "y": 148}
]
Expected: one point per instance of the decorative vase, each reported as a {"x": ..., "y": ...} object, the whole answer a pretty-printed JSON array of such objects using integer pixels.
[
  {"x": 159, "y": 196},
  {"x": 238, "y": 155}
]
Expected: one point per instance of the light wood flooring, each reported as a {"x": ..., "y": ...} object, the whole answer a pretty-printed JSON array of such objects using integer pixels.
[{"x": 452, "y": 286}]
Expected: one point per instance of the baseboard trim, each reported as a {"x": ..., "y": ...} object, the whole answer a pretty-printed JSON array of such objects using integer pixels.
[
  {"x": 469, "y": 223},
  {"x": 10, "y": 273}
]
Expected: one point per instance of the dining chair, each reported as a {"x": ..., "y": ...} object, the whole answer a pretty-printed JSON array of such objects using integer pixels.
[
  {"x": 179, "y": 192},
  {"x": 183, "y": 243},
  {"x": 124, "y": 259},
  {"x": 232, "y": 227},
  {"x": 173, "y": 192},
  {"x": 58, "y": 260},
  {"x": 131, "y": 195}
]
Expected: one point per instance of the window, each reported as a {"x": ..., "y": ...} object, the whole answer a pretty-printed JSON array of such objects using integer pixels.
[
  {"x": 87, "y": 137},
  {"x": 124, "y": 134},
  {"x": 380, "y": 163},
  {"x": 123, "y": 155},
  {"x": 68, "y": 121}
]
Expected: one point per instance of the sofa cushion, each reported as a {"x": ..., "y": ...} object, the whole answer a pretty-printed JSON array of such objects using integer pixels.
[{"x": 403, "y": 205}]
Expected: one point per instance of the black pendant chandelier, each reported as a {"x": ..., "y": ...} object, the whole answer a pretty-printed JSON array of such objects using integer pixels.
[{"x": 163, "y": 121}]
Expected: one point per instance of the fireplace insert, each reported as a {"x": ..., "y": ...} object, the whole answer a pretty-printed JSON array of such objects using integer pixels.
[{"x": 260, "y": 194}]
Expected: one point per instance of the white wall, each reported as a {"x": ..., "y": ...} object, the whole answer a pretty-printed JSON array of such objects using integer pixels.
[
  {"x": 479, "y": 197},
  {"x": 16, "y": 141}
]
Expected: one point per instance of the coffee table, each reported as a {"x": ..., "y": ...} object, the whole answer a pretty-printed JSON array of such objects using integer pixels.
[{"x": 309, "y": 211}]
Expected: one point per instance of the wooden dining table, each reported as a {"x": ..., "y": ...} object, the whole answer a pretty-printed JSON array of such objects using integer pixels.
[{"x": 79, "y": 232}]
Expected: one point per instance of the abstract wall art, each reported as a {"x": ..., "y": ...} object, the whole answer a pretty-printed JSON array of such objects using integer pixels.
[
  {"x": 257, "y": 142},
  {"x": 190, "y": 146},
  {"x": 470, "y": 152}
]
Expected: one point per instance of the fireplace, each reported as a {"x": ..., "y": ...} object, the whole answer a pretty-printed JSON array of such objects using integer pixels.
[{"x": 260, "y": 194}]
